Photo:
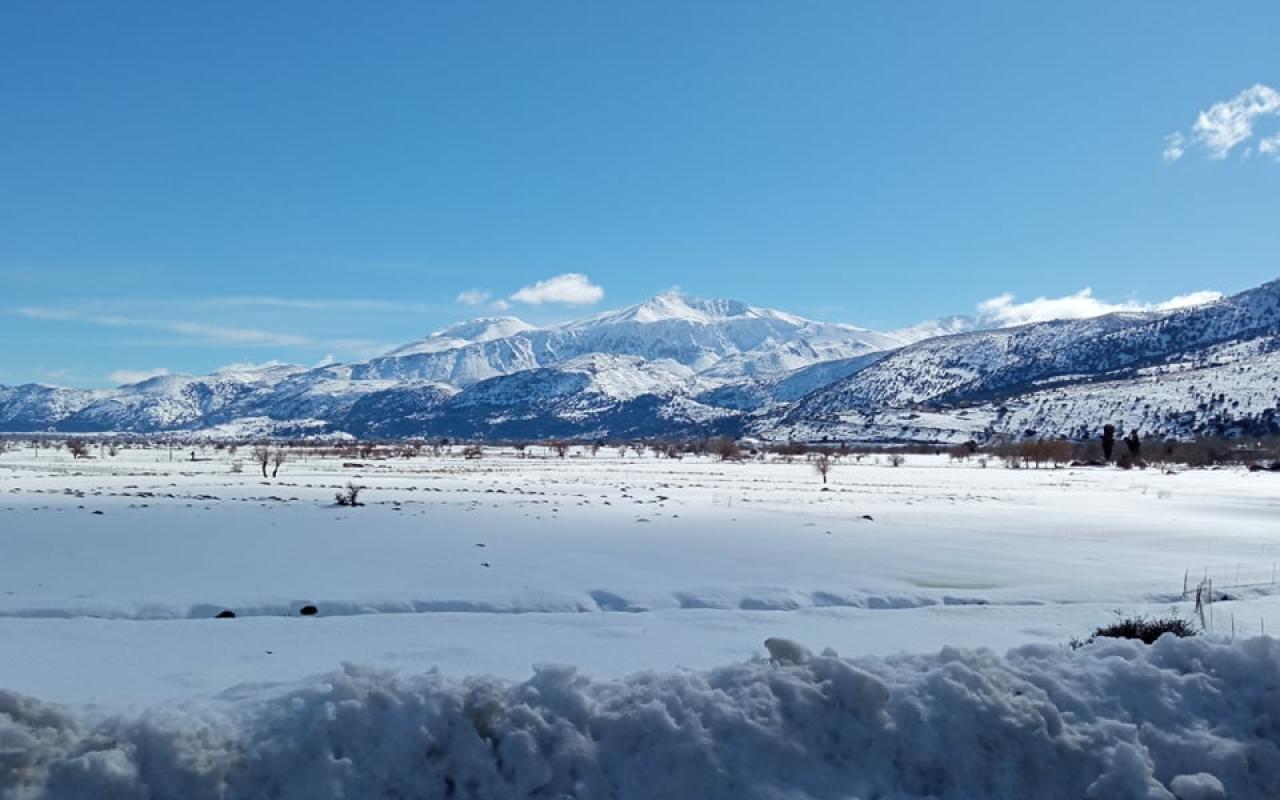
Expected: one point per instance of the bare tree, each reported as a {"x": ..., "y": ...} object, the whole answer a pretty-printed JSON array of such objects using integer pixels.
[
  {"x": 726, "y": 448},
  {"x": 78, "y": 448},
  {"x": 560, "y": 448},
  {"x": 823, "y": 464},
  {"x": 1108, "y": 440},
  {"x": 262, "y": 457},
  {"x": 278, "y": 457},
  {"x": 897, "y": 459}
]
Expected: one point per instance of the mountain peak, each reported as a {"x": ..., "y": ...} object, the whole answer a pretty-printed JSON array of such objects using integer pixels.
[
  {"x": 483, "y": 329},
  {"x": 461, "y": 334},
  {"x": 674, "y": 305}
]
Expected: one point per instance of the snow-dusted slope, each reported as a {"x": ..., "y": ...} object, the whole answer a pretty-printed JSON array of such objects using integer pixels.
[
  {"x": 590, "y": 396},
  {"x": 160, "y": 403},
  {"x": 34, "y": 406},
  {"x": 988, "y": 365},
  {"x": 1208, "y": 369},
  {"x": 1228, "y": 389},
  {"x": 948, "y": 365}
]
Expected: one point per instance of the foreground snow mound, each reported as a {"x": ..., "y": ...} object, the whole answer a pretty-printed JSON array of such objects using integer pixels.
[{"x": 1189, "y": 718}]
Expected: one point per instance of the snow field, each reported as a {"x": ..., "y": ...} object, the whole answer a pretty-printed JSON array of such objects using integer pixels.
[{"x": 646, "y": 574}]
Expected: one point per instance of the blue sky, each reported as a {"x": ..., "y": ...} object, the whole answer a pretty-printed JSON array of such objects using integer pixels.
[{"x": 185, "y": 185}]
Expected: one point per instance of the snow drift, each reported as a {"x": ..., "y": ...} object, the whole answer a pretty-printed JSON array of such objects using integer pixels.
[{"x": 1191, "y": 718}]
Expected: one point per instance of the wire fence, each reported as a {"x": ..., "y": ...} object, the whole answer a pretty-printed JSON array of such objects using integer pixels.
[
  {"x": 1237, "y": 576},
  {"x": 1208, "y": 585}
]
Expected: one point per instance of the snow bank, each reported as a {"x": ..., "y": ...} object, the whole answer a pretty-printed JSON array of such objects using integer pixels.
[{"x": 1116, "y": 720}]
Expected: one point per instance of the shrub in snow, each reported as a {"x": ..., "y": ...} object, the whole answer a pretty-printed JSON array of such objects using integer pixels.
[
  {"x": 1145, "y": 629},
  {"x": 349, "y": 496}
]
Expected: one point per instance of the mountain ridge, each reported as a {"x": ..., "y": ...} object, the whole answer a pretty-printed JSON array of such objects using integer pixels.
[{"x": 676, "y": 365}]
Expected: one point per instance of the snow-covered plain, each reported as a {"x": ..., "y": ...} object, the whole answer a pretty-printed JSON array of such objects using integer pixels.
[{"x": 112, "y": 570}]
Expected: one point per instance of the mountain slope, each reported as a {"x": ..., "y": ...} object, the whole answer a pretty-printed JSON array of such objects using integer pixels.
[
  {"x": 990, "y": 365},
  {"x": 1065, "y": 377}
]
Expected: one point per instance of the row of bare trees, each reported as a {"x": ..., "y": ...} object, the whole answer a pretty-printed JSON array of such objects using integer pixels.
[{"x": 1129, "y": 450}]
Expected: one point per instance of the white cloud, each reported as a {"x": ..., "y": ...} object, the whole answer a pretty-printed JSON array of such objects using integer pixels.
[
  {"x": 571, "y": 288},
  {"x": 327, "y": 360},
  {"x": 1188, "y": 300},
  {"x": 213, "y": 334},
  {"x": 123, "y": 376},
  {"x": 1226, "y": 125},
  {"x": 479, "y": 297},
  {"x": 60, "y": 376},
  {"x": 308, "y": 304},
  {"x": 1004, "y": 311}
]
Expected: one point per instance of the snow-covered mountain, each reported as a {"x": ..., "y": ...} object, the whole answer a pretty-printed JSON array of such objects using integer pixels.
[
  {"x": 675, "y": 365},
  {"x": 1170, "y": 373},
  {"x": 723, "y": 338}
]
